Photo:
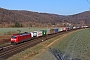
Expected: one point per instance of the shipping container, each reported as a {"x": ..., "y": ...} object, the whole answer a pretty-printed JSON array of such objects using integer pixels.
[
  {"x": 74, "y": 27},
  {"x": 48, "y": 31},
  {"x": 70, "y": 28},
  {"x": 44, "y": 32},
  {"x": 77, "y": 27},
  {"x": 51, "y": 31},
  {"x": 60, "y": 29},
  {"x": 64, "y": 29},
  {"x": 37, "y": 33},
  {"x": 67, "y": 28},
  {"x": 85, "y": 26},
  {"x": 56, "y": 30}
]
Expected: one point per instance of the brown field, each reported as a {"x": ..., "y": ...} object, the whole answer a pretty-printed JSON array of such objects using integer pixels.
[{"x": 4, "y": 38}]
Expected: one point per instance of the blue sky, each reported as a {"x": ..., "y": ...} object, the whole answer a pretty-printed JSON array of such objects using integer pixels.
[{"x": 61, "y": 7}]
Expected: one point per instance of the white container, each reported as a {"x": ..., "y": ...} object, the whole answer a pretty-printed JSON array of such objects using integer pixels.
[
  {"x": 48, "y": 31},
  {"x": 74, "y": 27},
  {"x": 60, "y": 29},
  {"x": 37, "y": 33}
]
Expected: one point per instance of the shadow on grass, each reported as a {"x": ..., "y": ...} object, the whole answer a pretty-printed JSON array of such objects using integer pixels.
[{"x": 59, "y": 55}]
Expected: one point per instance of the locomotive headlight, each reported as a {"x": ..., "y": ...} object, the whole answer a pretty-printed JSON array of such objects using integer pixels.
[{"x": 13, "y": 39}]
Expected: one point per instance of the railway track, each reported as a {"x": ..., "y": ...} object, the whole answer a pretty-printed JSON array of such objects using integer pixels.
[{"x": 13, "y": 49}]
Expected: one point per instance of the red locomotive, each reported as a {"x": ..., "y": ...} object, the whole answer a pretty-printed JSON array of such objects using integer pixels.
[{"x": 17, "y": 38}]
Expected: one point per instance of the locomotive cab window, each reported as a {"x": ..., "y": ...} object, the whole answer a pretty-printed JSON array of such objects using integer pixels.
[{"x": 13, "y": 37}]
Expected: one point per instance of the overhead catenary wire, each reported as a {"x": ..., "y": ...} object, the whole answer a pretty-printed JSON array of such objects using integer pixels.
[{"x": 88, "y": 1}]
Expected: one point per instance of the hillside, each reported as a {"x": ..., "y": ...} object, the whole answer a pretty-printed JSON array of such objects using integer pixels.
[{"x": 35, "y": 19}]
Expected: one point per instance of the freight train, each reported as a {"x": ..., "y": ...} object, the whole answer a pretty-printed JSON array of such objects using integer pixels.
[{"x": 21, "y": 37}]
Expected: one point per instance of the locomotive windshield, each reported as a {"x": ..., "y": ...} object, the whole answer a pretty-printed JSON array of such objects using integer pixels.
[{"x": 13, "y": 37}]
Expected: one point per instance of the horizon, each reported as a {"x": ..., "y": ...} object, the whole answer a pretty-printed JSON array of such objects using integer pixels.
[{"x": 44, "y": 12}]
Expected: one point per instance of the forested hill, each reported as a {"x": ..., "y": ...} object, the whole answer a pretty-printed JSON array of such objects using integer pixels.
[{"x": 34, "y": 19}]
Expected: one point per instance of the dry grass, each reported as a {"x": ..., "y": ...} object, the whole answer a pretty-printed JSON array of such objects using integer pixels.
[{"x": 4, "y": 38}]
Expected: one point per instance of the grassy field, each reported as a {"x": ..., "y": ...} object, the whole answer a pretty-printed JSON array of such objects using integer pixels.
[
  {"x": 7, "y": 31},
  {"x": 75, "y": 46},
  {"x": 15, "y": 30}
]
